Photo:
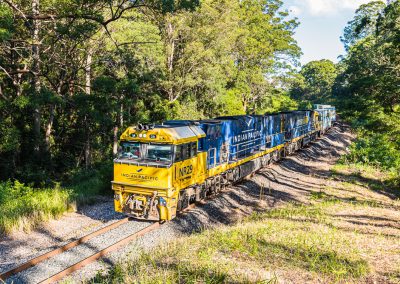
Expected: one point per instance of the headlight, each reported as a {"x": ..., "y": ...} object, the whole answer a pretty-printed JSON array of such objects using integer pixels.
[
  {"x": 117, "y": 197},
  {"x": 163, "y": 202}
]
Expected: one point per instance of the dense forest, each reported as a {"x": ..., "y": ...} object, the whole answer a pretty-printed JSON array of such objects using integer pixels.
[{"x": 74, "y": 74}]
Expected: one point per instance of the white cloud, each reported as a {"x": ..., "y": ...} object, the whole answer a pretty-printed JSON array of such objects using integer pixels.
[
  {"x": 325, "y": 7},
  {"x": 295, "y": 10}
]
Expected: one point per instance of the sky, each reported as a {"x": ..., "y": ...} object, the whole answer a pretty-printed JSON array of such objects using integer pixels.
[{"x": 321, "y": 24}]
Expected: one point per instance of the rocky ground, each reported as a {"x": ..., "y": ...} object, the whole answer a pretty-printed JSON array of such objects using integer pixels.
[{"x": 301, "y": 178}]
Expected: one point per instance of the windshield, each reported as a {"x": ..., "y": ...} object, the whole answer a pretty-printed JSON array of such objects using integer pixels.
[
  {"x": 140, "y": 152},
  {"x": 159, "y": 153},
  {"x": 129, "y": 151}
]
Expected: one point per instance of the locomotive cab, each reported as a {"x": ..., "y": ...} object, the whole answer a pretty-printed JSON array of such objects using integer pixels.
[{"x": 153, "y": 164}]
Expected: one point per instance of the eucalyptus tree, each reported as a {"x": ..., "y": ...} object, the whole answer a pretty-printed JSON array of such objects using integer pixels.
[
  {"x": 370, "y": 79},
  {"x": 264, "y": 46}
]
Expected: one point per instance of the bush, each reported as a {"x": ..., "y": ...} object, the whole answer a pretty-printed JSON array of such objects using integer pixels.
[
  {"x": 86, "y": 185},
  {"x": 377, "y": 149},
  {"x": 23, "y": 207}
]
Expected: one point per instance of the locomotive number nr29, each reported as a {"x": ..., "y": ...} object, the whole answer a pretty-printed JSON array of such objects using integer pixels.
[{"x": 184, "y": 171}]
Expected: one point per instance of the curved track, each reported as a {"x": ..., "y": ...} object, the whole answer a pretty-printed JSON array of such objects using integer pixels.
[{"x": 9, "y": 275}]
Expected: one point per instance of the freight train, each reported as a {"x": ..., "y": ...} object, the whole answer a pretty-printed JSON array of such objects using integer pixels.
[{"x": 161, "y": 169}]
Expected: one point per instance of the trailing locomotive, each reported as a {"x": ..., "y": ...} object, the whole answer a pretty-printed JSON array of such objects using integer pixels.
[{"x": 161, "y": 169}]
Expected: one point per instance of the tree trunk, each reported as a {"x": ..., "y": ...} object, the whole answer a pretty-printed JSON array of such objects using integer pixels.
[
  {"x": 88, "y": 72},
  {"x": 115, "y": 142},
  {"x": 244, "y": 102},
  {"x": 170, "y": 58},
  {"x": 88, "y": 154},
  {"x": 88, "y": 90},
  {"x": 49, "y": 128},
  {"x": 121, "y": 114},
  {"x": 121, "y": 124},
  {"x": 36, "y": 84}
]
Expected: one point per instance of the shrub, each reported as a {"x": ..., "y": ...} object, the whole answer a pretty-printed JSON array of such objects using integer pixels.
[
  {"x": 23, "y": 207},
  {"x": 377, "y": 149}
]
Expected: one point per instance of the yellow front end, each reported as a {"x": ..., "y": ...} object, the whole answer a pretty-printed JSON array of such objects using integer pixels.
[
  {"x": 144, "y": 192},
  {"x": 153, "y": 166}
]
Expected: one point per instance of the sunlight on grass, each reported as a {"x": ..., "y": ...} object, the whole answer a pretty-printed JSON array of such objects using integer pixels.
[
  {"x": 23, "y": 207},
  {"x": 297, "y": 237}
]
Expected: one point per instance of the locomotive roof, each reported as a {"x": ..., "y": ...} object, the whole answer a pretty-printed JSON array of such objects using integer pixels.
[{"x": 171, "y": 134}]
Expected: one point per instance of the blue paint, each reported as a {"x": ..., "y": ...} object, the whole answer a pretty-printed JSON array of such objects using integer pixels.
[{"x": 232, "y": 138}]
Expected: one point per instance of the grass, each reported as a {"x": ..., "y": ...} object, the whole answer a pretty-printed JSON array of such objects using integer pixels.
[
  {"x": 346, "y": 233},
  {"x": 368, "y": 176},
  {"x": 296, "y": 238},
  {"x": 23, "y": 207}
]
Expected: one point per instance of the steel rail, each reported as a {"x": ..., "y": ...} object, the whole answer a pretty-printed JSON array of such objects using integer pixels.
[
  {"x": 60, "y": 250},
  {"x": 71, "y": 269},
  {"x": 58, "y": 276}
]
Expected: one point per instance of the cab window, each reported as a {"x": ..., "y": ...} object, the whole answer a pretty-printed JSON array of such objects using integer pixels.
[
  {"x": 201, "y": 144},
  {"x": 193, "y": 149},
  {"x": 130, "y": 151},
  {"x": 185, "y": 151},
  {"x": 178, "y": 153}
]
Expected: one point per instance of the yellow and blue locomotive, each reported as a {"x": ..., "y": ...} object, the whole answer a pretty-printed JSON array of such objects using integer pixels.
[{"x": 162, "y": 169}]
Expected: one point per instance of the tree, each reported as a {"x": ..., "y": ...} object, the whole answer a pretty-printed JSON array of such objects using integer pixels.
[
  {"x": 75, "y": 74},
  {"x": 371, "y": 82},
  {"x": 363, "y": 23},
  {"x": 265, "y": 40},
  {"x": 314, "y": 82}
]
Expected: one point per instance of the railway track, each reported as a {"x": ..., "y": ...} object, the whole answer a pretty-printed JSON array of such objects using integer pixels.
[
  {"x": 73, "y": 244},
  {"x": 87, "y": 260}
]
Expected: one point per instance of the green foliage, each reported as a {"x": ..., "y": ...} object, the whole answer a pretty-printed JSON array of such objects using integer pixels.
[
  {"x": 106, "y": 65},
  {"x": 376, "y": 149},
  {"x": 366, "y": 88},
  {"x": 87, "y": 185},
  {"x": 363, "y": 23},
  {"x": 6, "y": 22},
  {"x": 370, "y": 82},
  {"x": 23, "y": 207},
  {"x": 314, "y": 82}
]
